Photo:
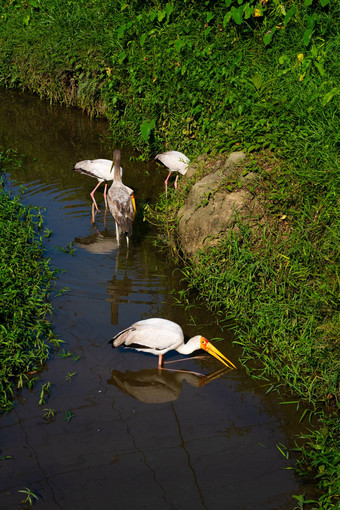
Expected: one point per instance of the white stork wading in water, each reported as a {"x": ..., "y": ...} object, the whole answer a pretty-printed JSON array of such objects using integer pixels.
[
  {"x": 176, "y": 162},
  {"x": 158, "y": 336},
  {"x": 120, "y": 202},
  {"x": 100, "y": 169}
]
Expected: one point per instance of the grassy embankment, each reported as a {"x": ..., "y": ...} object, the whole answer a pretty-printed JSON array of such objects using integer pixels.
[
  {"x": 202, "y": 76},
  {"x": 26, "y": 280}
]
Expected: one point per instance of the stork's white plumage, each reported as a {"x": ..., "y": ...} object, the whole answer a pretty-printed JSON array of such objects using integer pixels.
[
  {"x": 158, "y": 336},
  {"x": 100, "y": 169},
  {"x": 121, "y": 202},
  {"x": 176, "y": 162}
]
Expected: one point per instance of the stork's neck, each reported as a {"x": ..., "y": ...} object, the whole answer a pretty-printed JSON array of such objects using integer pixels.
[
  {"x": 116, "y": 159},
  {"x": 192, "y": 345}
]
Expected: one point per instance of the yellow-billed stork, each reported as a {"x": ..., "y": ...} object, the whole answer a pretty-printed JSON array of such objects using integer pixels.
[
  {"x": 176, "y": 162},
  {"x": 158, "y": 336},
  {"x": 100, "y": 169}
]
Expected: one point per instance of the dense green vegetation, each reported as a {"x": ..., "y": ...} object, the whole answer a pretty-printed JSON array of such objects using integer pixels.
[
  {"x": 277, "y": 283},
  {"x": 25, "y": 283},
  {"x": 212, "y": 76}
]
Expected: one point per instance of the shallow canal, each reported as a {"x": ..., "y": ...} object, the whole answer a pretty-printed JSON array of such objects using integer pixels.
[{"x": 137, "y": 438}]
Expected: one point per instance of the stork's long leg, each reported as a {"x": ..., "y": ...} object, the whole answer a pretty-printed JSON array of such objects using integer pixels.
[
  {"x": 117, "y": 233},
  {"x": 161, "y": 361},
  {"x": 105, "y": 198},
  {"x": 166, "y": 184},
  {"x": 185, "y": 359},
  {"x": 93, "y": 214},
  {"x": 92, "y": 195}
]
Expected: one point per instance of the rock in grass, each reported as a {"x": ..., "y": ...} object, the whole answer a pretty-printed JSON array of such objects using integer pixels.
[{"x": 213, "y": 204}]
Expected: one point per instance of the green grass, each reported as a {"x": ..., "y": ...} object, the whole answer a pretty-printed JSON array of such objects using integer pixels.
[
  {"x": 26, "y": 280},
  {"x": 277, "y": 284},
  {"x": 214, "y": 77}
]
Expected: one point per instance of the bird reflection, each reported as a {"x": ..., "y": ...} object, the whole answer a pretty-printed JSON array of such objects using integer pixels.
[
  {"x": 102, "y": 243},
  {"x": 157, "y": 386},
  {"x": 98, "y": 242},
  {"x": 116, "y": 290}
]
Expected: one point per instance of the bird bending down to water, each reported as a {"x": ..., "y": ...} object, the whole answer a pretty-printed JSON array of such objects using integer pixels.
[
  {"x": 120, "y": 202},
  {"x": 176, "y": 162},
  {"x": 158, "y": 336},
  {"x": 100, "y": 169}
]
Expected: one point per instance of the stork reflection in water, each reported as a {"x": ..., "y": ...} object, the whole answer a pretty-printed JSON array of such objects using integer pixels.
[
  {"x": 98, "y": 242},
  {"x": 154, "y": 386},
  {"x": 158, "y": 336}
]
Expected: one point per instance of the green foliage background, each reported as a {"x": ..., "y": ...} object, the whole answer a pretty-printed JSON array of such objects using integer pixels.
[
  {"x": 26, "y": 281},
  {"x": 201, "y": 74},
  {"x": 215, "y": 76}
]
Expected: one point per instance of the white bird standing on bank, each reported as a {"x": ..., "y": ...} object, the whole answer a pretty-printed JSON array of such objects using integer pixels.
[
  {"x": 158, "y": 336},
  {"x": 176, "y": 162},
  {"x": 120, "y": 201}
]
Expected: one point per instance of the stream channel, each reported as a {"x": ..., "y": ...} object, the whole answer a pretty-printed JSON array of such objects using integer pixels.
[{"x": 139, "y": 438}]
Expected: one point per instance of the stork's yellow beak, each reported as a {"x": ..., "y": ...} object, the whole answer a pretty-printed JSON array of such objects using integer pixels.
[
  {"x": 211, "y": 349},
  {"x": 132, "y": 196}
]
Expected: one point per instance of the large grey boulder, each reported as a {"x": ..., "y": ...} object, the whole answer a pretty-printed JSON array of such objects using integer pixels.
[{"x": 210, "y": 209}]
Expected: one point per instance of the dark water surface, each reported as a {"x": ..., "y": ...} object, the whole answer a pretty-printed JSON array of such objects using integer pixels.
[{"x": 139, "y": 438}]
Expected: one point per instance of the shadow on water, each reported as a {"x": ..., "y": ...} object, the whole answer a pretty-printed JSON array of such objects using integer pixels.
[{"x": 199, "y": 445}]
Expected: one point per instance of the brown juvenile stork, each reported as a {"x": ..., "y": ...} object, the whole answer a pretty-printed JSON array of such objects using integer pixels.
[{"x": 120, "y": 202}]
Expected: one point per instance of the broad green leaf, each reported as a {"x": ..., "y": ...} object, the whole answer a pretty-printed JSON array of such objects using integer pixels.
[
  {"x": 289, "y": 14},
  {"x": 324, "y": 2},
  {"x": 237, "y": 14},
  {"x": 308, "y": 2},
  {"x": 226, "y": 19},
  {"x": 210, "y": 16},
  {"x": 306, "y": 36},
  {"x": 168, "y": 9},
  {"x": 121, "y": 31},
  {"x": 311, "y": 20},
  {"x": 161, "y": 15},
  {"x": 283, "y": 59},
  {"x": 327, "y": 97},
  {"x": 178, "y": 45},
  {"x": 269, "y": 36},
  {"x": 248, "y": 10},
  {"x": 122, "y": 57},
  {"x": 146, "y": 128},
  {"x": 257, "y": 80},
  {"x": 142, "y": 39},
  {"x": 320, "y": 67}
]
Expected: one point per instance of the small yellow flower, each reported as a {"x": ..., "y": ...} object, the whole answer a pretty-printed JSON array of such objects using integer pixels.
[
  {"x": 300, "y": 57},
  {"x": 257, "y": 13}
]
